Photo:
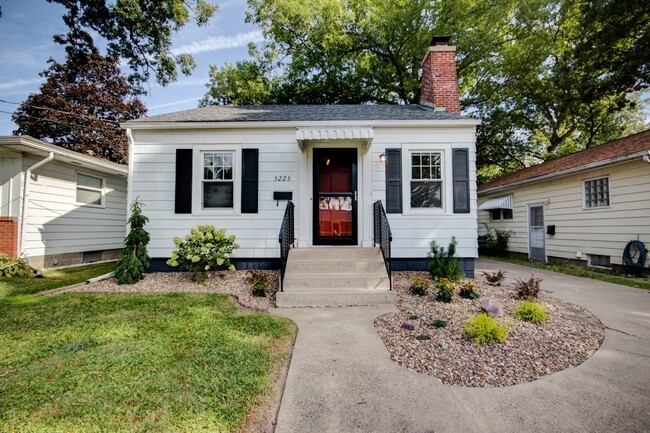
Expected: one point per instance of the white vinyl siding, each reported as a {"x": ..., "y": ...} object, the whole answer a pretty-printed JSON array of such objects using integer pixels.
[
  {"x": 601, "y": 231},
  {"x": 280, "y": 158},
  {"x": 57, "y": 224}
]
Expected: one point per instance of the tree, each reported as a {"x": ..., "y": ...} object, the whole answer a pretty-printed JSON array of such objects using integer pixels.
[
  {"x": 80, "y": 105},
  {"x": 540, "y": 73},
  {"x": 134, "y": 259},
  {"x": 138, "y": 31}
]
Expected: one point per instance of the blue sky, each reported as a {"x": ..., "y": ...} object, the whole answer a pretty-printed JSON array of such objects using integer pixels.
[{"x": 27, "y": 27}]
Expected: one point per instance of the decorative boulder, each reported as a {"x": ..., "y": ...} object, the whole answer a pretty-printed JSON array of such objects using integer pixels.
[{"x": 492, "y": 307}]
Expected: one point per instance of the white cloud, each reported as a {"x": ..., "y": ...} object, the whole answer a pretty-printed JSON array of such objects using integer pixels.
[
  {"x": 220, "y": 42},
  {"x": 8, "y": 85},
  {"x": 171, "y": 104}
]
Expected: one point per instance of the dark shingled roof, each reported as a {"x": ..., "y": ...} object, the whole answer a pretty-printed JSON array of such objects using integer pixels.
[
  {"x": 620, "y": 148},
  {"x": 303, "y": 113}
]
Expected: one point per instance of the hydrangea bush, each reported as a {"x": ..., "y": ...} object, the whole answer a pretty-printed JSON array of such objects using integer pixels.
[{"x": 204, "y": 249}]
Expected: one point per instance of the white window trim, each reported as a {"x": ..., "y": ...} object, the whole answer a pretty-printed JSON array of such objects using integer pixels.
[
  {"x": 446, "y": 175},
  {"x": 584, "y": 196},
  {"x": 197, "y": 179},
  {"x": 101, "y": 190}
]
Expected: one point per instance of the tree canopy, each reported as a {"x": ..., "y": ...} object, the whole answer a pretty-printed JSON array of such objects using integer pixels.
[
  {"x": 138, "y": 31},
  {"x": 546, "y": 76},
  {"x": 80, "y": 105}
]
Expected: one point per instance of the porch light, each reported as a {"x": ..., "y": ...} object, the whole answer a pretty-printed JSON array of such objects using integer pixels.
[{"x": 382, "y": 158}]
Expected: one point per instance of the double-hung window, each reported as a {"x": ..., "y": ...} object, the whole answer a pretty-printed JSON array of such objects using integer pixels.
[
  {"x": 90, "y": 190},
  {"x": 218, "y": 179},
  {"x": 597, "y": 193},
  {"x": 426, "y": 179}
]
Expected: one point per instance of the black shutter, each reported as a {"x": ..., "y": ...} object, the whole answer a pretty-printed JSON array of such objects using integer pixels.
[
  {"x": 183, "y": 196},
  {"x": 461, "y": 180},
  {"x": 249, "y": 183},
  {"x": 393, "y": 180}
]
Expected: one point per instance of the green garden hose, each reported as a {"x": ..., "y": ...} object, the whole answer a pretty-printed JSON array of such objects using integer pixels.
[{"x": 634, "y": 256}]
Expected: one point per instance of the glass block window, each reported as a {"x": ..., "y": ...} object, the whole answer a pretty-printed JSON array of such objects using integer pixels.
[
  {"x": 426, "y": 180},
  {"x": 90, "y": 189},
  {"x": 218, "y": 179},
  {"x": 597, "y": 193}
]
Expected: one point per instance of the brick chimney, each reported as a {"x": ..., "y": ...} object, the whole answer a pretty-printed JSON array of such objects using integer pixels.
[{"x": 439, "y": 84}]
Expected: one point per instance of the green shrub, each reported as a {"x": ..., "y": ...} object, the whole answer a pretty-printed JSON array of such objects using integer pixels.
[
  {"x": 443, "y": 263},
  {"x": 14, "y": 266},
  {"x": 422, "y": 337},
  {"x": 204, "y": 249},
  {"x": 484, "y": 329},
  {"x": 528, "y": 289},
  {"x": 420, "y": 285},
  {"x": 439, "y": 324},
  {"x": 445, "y": 291},
  {"x": 134, "y": 259},
  {"x": 496, "y": 278},
  {"x": 469, "y": 290},
  {"x": 259, "y": 283},
  {"x": 531, "y": 311},
  {"x": 494, "y": 242}
]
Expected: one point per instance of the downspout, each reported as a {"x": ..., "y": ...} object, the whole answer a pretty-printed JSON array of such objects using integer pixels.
[{"x": 23, "y": 213}]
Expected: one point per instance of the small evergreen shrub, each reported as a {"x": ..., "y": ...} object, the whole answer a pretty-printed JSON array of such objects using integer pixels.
[
  {"x": 494, "y": 242},
  {"x": 528, "y": 289},
  {"x": 445, "y": 291},
  {"x": 134, "y": 259},
  {"x": 14, "y": 266},
  {"x": 495, "y": 278},
  {"x": 439, "y": 324},
  {"x": 420, "y": 285},
  {"x": 204, "y": 249},
  {"x": 422, "y": 337},
  {"x": 444, "y": 263},
  {"x": 469, "y": 290},
  {"x": 484, "y": 329},
  {"x": 259, "y": 283},
  {"x": 531, "y": 311}
]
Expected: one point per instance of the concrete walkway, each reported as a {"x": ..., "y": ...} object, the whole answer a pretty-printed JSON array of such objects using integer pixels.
[{"x": 341, "y": 378}]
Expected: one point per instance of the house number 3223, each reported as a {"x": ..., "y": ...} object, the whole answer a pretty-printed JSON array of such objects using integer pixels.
[{"x": 282, "y": 178}]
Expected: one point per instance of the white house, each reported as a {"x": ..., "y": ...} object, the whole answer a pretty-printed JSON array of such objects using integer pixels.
[
  {"x": 59, "y": 207},
  {"x": 582, "y": 208},
  {"x": 236, "y": 167}
]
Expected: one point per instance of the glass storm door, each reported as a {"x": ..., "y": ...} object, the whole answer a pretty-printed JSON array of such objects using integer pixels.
[
  {"x": 335, "y": 196},
  {"x": 536, "y": 233}
]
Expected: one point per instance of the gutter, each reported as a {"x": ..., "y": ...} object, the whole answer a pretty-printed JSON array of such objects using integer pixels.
[
  {"x": 23, "y": 213},
  {"x": 611, "y": 161},
  {"x": 143, "y": 124}
]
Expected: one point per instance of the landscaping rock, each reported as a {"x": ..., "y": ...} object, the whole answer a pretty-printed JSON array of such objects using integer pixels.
[{"x": 492, "y": 307}]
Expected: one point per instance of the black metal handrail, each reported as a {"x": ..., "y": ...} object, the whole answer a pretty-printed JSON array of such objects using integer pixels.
[
  {"x": 383, "y": 236},
  {"x": 286, "y": 238}
]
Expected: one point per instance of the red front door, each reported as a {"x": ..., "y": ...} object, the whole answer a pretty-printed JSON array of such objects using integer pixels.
[{"x": 335, "y": 196}]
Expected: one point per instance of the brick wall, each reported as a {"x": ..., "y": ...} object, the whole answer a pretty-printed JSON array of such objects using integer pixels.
[
  {"x": 439, "y": 82},
  {"x": 9, "y": 235}
]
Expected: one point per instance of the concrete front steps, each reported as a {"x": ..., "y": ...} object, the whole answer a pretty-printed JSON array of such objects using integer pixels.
[{"x": 335, "y": 276}]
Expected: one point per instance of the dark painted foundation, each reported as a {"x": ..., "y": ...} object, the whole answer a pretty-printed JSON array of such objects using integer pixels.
[{"x": 422, "y": 264}]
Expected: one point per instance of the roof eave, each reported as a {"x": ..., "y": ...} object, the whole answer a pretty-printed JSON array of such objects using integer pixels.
[
  {"x": 136, "y": 124},
  {"x": 42, "y": 146},
  {"x": 574, "y": 170}
]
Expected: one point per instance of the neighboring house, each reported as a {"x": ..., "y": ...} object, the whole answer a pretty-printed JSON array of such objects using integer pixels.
[
  {"x": 236, "y": 167},
  {"x": 581, "y": 208},
  {"x": 59, "y": 207}
]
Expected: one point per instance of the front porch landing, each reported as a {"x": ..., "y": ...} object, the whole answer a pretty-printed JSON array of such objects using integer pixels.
[{"x": 333, "y": 276}]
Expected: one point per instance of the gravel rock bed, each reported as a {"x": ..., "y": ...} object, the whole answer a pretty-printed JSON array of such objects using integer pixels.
[
  {"x": 233, "y": 283},
  {"x": 531, "y": 350}
]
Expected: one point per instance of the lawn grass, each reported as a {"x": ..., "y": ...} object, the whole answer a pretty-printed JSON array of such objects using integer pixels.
[
  {"x": 578, "y": 271},
  {"x": 125, "y": 363},
  {"x": 53, "y": 279},
  {"x": 134, "y": 363}
]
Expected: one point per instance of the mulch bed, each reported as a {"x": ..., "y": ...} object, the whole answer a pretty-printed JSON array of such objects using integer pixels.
[{"x": 531, "y": 350}]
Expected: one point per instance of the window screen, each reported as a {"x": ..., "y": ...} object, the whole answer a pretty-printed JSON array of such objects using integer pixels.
[
  {"x": 218, "y": 179},
  {"x": 426, "y": 180}
]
